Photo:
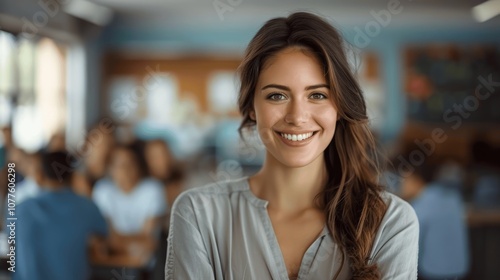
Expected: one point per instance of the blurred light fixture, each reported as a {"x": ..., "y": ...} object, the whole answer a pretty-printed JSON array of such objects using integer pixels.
[
  {"x": 89, "y": 11},
  {"x": 486, "y": 10}
]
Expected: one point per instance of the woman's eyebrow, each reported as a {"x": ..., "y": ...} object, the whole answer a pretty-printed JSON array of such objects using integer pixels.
[
  {"x": 276, "y": 86},
  {"x": 288, "y": 89},
  {"x": 318, "y": 86}
]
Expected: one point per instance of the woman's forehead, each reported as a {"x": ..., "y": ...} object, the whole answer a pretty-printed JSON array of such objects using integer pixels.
[
  {"x": 288, "y": 52},
  {"x": 292, "y": 67}
]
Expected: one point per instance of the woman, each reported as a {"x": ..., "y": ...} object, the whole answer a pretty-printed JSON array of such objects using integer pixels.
[{"x": 314, "y": 210}]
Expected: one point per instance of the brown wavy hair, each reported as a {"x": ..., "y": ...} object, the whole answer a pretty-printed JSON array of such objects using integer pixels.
[{"x": 351, "y": 197}]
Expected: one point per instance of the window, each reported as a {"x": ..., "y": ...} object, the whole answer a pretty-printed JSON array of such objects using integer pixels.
[
  {"x": 123, "y": 105},
  {"x": 32, "y": 89},
  {"x": 7, "y": 70},
  {"x": 162, "y": 99},
  {"x": 223, "y": 92}
]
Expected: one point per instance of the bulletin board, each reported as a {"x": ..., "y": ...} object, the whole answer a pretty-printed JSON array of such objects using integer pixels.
[{"x": 441, "y": 83}]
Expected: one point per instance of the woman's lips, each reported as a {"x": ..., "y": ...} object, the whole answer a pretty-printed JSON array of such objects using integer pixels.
[{"x": 296, "y": 139}]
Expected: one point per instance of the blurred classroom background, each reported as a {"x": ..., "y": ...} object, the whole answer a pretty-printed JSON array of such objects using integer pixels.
[{"x": 145, "y": 92}]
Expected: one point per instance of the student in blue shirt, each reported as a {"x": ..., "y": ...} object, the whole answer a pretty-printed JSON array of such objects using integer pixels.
[
  {"x": 443, "y": 244},
  {"x": 54, "y": 230}
]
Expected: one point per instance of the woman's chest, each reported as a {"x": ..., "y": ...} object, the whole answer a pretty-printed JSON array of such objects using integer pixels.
[
  {"x": 257, "y": 248},
  {"x": 295, "y": 239}
]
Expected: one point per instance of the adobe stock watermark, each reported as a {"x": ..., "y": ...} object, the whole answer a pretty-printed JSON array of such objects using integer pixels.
[
  {"x": 454, "y": 117},
  {"x": 223, "y": 6},
  {"x": 372, "y": 28},
  {"x": 40, "y": 19}
]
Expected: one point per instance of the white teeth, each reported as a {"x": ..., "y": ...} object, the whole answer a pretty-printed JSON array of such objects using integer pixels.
[{"x": 296, "y": 137}]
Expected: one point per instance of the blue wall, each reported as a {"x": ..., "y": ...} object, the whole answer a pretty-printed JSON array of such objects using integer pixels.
[{"x": 388, "y": 43}]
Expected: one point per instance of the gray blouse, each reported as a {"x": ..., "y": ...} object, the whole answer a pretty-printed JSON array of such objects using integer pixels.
[{"x": 223, "y": 231}]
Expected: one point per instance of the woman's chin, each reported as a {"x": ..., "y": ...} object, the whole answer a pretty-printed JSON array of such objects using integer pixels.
[{"x": 295, "y": 162}]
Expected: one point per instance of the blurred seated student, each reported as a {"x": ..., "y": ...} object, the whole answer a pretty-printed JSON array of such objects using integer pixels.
[
  {"x": 451, "y": 173},
  {"x": 17, "y": 157},
  {"x": 31, "y": 185},
  {"x": 11, "y": 155},
  {"x": 487, "y": 192},
  {"x": 133, "y": 205},
  {"x": 57, "y": 142},
  {"x": 486, "y": 169},
  {"x": 443, "y": 242},
  {"x": 163, "y": 167},
  {"x": 56, "y": 229},
  {"x": 94, "y": 158},
  {"x": 5, "y": 144}
]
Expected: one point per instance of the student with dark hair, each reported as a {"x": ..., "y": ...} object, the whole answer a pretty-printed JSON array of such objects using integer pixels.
[
  {"x": 56, "y": 229},
  {"x": 315, "y": 210},
  {"x": 93, "y": 157},
  {"x": 163, "y": 166},
  {"x": 5, "y": 144}
]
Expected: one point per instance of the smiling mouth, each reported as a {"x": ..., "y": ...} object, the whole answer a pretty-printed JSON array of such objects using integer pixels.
[{"x": 297, "y": 137}]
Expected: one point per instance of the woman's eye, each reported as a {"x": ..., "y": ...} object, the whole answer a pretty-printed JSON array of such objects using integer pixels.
[
  {"x": 276, "y": 96},
  {"x": 318, "y": 96}
]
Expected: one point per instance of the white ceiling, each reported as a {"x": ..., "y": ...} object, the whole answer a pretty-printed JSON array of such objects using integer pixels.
[{"x": 253, "y": 12}]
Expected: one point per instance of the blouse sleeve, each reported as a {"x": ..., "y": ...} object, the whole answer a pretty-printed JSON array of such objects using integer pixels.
[
  {"x": 187, "y": 256},
  {"x": 396, "y": 246}
]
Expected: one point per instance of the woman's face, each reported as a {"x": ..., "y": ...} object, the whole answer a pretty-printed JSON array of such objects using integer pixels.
[
  {"x": 124, "y": 169},
  {"x": 293, "y": 108}
]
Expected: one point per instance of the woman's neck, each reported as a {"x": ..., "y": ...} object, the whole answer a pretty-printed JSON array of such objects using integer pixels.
[{"x": 289, "y": 189}]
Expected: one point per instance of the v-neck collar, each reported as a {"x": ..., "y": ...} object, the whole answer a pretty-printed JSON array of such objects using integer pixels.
[{"x": 272, "y": 240}]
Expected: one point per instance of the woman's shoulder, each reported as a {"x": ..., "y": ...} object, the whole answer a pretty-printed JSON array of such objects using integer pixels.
[
  {"x": 213, "y": 193},
  {"x": 397, "y": 208},
  {"x": 395, "y": 246},
  {"x": 398, "y": 216}
]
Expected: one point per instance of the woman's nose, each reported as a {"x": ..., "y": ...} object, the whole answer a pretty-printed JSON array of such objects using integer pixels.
[{"x": 297, "y": 113}]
